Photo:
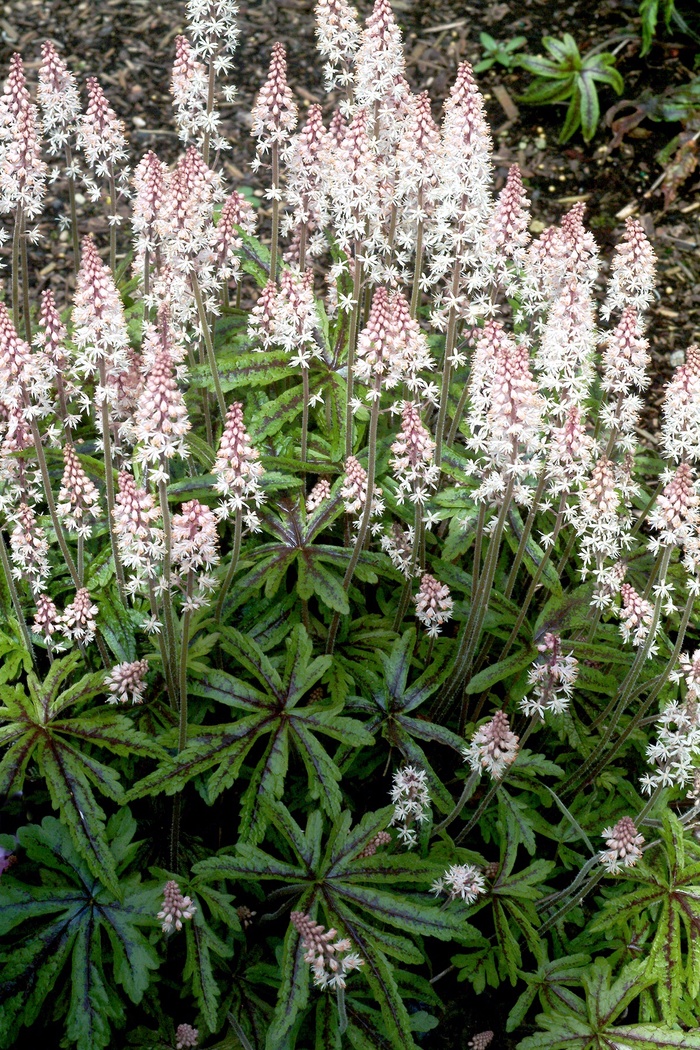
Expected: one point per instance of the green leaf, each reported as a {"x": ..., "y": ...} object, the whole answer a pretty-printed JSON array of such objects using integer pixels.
[
  {"x": 487, "y": 678},
  {"x": 590, "y": 106},
  {"x": 61, "y": 930}
]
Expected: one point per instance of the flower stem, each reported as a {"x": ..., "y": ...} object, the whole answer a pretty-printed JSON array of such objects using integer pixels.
[
  {"x": 352, "y": 340},
  {"x": 467, "y": 793},
  {"x": 366, "y": 515},
  {"x": 450, "y": 339},
  {"x": 109, "y": 481},
  {"x": 275, "y": 159},
  {"x": 167, "y": 578},
  {"x": 7, "y": 569},
  {"x": 211, "y": 356},
  {"x": 232, "y": 566}
]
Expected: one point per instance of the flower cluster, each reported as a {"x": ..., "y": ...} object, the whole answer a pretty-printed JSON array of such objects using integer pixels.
[
  {"x": 553, "y": 677},
  {"x": 460, "y": 880},
  {"x": 331, "y": 958},
  {"x": 623, "y": 842},
  {"x": 411, "y": 799},
  {"x": 494, "y": 747},
  {"x": 176, "y": 908},
  {"x": 127, "y": 681},
  {"x": 433, "y": 604}
]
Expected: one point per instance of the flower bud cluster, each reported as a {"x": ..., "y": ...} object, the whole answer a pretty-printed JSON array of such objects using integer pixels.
[
  {"x": 331, "y": 958},
  {"x": 623, "y": 842},
  {"x": 494, "y": 747},
  {"x": 411, "y": 799},
  {"x": 176, "y": 908},
  {"x": 553, "y": 677}
]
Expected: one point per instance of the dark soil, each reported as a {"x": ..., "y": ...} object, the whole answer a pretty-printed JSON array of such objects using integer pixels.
[{"x": 129, "y": 45}]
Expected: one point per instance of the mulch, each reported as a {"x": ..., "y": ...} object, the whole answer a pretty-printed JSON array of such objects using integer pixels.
[{"x": 129, "y": 46}]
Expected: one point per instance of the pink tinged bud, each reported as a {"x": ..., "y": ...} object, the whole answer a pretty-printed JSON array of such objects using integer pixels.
[
  {"x": 237, "y": 468},
  {"x": 480, "y": 1041},
  {"x": 354, "y": 491},
  {"x": 98, "y": 315},
  {"x": 29, "y": 548},
  {"x": 195, "y": 539},
  {"x": 78, "y": 620},
  {"x": 494, "y": 747},
  {"x": 382, "y": 838},
  {"x": 680, "y": 425},
  {"x": 136, "y": 527},
  {"x": 126, "y": 681},
  {"x": 318, "y": 495},
  {"x": 176, "y": 908},
  {"x": 433, "y": 604},
  {"x": 676, "y": 512},
  {"x": 236, "y": 213},
  {"x": 263, "y": 314},
  {"x": 189, "y": 88},
  {"x": 101, "y": 134},
  {"x": 274, "y": 113},
  {"x": 150, "y": 189},
  {"x": 186, "y": 1037},
  {"x": 54, "y": 331},
  {"x": 330, "y": 959},
  {"x": 636, "y": 615},
  {"x": 46, "y": 618},
  {"x": 623, "y": 842},
  {"x": 553, "y": 677},
  {"x": 338, "y": 128},
  {"x": 14, "y": 360},
  {"x": 632, "y": 271},
  {"x": 160, "y": 422},
  {"x": 78, "y": 498},
  {"x": 507, "y": 232}
]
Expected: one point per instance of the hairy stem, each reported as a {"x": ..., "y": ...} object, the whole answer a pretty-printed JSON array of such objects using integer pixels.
[
  {"x": 232, "y": 566},
  {"x": 211, "y": 356},
  {"x": 109, "y": 481}
]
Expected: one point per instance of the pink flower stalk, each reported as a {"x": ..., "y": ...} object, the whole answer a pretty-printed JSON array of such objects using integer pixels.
[
  {"x": 78, "y": 498},
  {"x": 565, "y": 356},
  {"x": 433, "y": 604},
  {"x": 149, "y": 195},
  {"x": 601, "y": 518},
  {"x": 176, "y": 908},
  {"x": 186, "y": 1037},
  {"x": 462, "y": 881},
  {"x": 136, "y": 525},
  {"x": 507, "y": 233},
  {"x": 680, "y": 425},
  {"x": 161, "y": 423},
  {"x": 553, "y": 676},
  {"x": 330, "y": 959},
  {"x": 195, "y": 543},
  {"x": 560, "y": 254},
  {"x": 623, "y": 842},
  {"x": 480, "y": 1041},
  {"x": 382, "y": 838},
  {"x": 14, "y": 361},
  {"x": 236, "y": 214},
  {"x": 354, "y": 492},
  {"x": 391, "y": 347},
  {"x": 353, "y": 181},
  {"x": 261, "y": 322},
  {"x": 318, "y": 495},
  {"x": 569, "y": 453},
  {"x": 379, "y": 60},
  {"x": 46, "y": 619},
  {"x": 237, "y": 469},
  {"x": 411, "y": 799},
  {"x": 29, "y": 549},
  {"x": 58, "y": 97},
  {"x": 505, "y": 414},
  {"x": 625, "y": 361},
  {"x": 632, "y": 272},
  {"x": 494, "y": 747},
  {"x": 274, "y": 113},
  {"x": 413, "y": 463},
  {"x": 189, "y": 86},
  {"x": 337, "y": 40},
  {"x": 414, "y": 173},
  {"x": 78, "y": 620},
  {"x": 101, "y": 134},
  {"x": 126, "y": 681},
  {"x": 463, "y": 196},
  {"x": 53, "y": 362},
  {"x": 99, "y": 323},
  {"x": 675, "y": 515},
  {"x": 22, "y": 169},
  {"x": 305, "y": 178},
  {"x": 636, "y": 615}
]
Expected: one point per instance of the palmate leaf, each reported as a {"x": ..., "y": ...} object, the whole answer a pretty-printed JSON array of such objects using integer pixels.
[
  {"x": 392, "y": 702},
  {"x": 357, "y": 896},
  {"x": 671, "y": 889},
  {"x": 72, "y": 928},
  {"x": 270, "y": 709},
  {"x": 35, "y": 728},
  {"x": 590, "y": 1024}
]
